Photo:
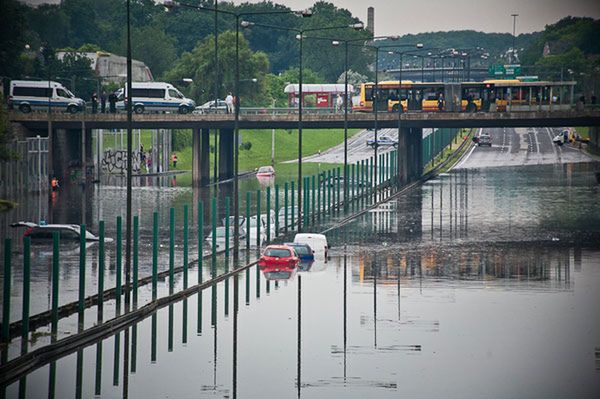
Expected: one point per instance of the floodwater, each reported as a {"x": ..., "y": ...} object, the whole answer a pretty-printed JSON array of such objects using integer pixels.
[{"x": 482, "y": 283}]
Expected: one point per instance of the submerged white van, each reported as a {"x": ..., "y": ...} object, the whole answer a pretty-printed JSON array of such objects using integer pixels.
[
  {"x": 318, "y": 243},
  {"x": 155, "y": 97},
  {"x": 28, "y": 95}
]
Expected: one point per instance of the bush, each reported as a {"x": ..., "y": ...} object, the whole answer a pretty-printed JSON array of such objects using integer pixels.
[{"x": 182, "y": 138}]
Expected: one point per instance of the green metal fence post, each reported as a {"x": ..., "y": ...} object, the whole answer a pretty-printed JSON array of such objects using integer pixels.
[
  {"x": 339, "y": 197},
  {"x": 82, "y": 255},
  {"x": 213, "y": 270},
  {"x": 248, "y": 199},
  {"x": 276, "y": 210},
  {"x": 6, "y": 291},
  {"x": 101, "y": 267},
  {"x": 227, "y": 224},
  {"x": 293, "y": 206},
  {"x": 185, "y": 246},
  {"x": 313, "y": 203},
  {"x": 285, "y": 208},
  {"x": 171, "y": 249},
  {"x": 258, "y": 219},
  {"x": 268, "y": 199},
  {"x": 136, "y": 250},
  {"x": 154, "y": 255},
  {"x": 119, "y": 249},
  {"x": 56, "y": 280},
  {"x": 200, "y": 237},
  {"x": 26, "y": 290}
]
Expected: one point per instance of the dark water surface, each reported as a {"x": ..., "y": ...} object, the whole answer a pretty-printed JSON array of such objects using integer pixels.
[{"x": 480, "y": 284}]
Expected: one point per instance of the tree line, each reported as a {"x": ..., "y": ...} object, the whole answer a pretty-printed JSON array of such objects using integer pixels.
[{"x": 178, "y": 44}]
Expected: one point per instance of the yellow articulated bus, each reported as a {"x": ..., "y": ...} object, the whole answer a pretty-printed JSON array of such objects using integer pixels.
[
  {"x": 426, "y": 97},
  {"x": 489, "y": 95}
]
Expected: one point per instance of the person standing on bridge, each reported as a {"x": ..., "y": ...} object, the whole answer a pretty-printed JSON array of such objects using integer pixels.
[
  {"x": 229, "y": 102},
  {"x": 103, "y": 102},
  {"x": 94, "y": 103}
]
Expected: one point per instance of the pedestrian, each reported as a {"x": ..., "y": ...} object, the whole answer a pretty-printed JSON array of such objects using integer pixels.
[
  {"x": 112, "y": 103},
  {"x": 94, "y": 102},
  {"x": 103, "y": 102},
  {"x": 440, "y": 102},
  {"x": 54, "y": 184},
  {"x": 174, "y": 160},
  {"x": 339, "y": 103},
  {"x": 229, "y": 102}
]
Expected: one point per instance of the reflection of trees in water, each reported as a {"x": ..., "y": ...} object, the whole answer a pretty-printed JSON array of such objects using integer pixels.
[{"x": 477, "y": 263}]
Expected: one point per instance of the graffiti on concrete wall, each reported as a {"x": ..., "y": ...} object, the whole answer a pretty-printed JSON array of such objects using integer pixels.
[{"x": 115, "y": 161}]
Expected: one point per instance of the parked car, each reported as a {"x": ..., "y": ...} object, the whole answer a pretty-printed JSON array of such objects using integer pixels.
[
  {"x": 279, "y": 258},
  {"x": 45, "y": 231},
  {"x": 209, "y": 107},
  {"x": 382, "y": 142},
  {"x": 318, "y": 242},
  {"x": 484, "y": 139},
  {"x": 265, "y": 171},
  {"x": 221, "y": 236},
  {"x": 304, "y": 251}
]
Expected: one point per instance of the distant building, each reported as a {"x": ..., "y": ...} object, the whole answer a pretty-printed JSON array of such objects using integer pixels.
[{"x": 113, "y": 68}]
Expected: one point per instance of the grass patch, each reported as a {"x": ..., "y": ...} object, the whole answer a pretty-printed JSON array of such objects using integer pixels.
[
  {"x": 583, "y": 132},
  {"x": 286, "y": 146},
  {"x": 449, "y": 151}
]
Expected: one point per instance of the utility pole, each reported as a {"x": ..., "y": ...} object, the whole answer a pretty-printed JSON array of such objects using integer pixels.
[{"x": 512, "y": 57}]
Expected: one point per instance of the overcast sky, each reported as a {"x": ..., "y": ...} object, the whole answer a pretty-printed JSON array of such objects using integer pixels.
[{"x": 393, "y": 17}]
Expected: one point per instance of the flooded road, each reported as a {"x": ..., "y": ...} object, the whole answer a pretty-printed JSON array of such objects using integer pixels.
[{"x": 482, "y": 283}]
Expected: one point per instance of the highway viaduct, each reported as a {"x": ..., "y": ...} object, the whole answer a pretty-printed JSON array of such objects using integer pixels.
[{"x": 67, "y": 141}]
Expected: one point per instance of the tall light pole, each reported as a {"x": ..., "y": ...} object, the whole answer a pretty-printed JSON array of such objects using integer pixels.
[
  {"x": 129, "y": 163},
  {"x": 514, "y": 36},
  {"x": 300, "y": 37}
]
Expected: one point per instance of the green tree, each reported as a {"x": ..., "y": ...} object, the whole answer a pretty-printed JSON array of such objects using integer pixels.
[
  {"x": 199, "y": 65},
  {"x": 5, "y": 133},
  {"x": 152, "y": 46}
]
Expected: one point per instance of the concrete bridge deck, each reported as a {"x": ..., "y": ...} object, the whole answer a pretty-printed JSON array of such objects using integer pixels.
[{"x": 557, "y": 118}]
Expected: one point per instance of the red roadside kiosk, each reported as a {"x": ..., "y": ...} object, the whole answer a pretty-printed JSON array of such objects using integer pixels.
[{"x": 319, "y": 95}]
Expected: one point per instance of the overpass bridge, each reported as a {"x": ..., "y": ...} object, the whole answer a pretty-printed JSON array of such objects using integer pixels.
[
  {"x": 68, "y": 144},
  {"x": 529, "y": 118}
]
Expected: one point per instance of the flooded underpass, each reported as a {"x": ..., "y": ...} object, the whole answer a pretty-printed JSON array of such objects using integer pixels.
[{"x": 480, "y": 283}]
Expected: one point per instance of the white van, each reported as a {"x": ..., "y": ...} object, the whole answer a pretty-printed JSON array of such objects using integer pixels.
[
  {"x": 27, "y": 95},
  {"x": 155, "y": 97},
  {"x": 318, "y": 242}
]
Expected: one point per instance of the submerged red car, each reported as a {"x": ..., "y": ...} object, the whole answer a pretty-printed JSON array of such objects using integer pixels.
[{"x": 278, "y": 258}]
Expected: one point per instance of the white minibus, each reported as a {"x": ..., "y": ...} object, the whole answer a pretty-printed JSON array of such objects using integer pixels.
[
  {"x": 155, "y": 97},
  {"x": 28, "y": 95}
]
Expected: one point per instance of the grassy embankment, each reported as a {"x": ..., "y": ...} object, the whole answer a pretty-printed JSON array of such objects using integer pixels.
[
  {"x": 450, "y": 150},
  {"x": 286, "y": 147}
]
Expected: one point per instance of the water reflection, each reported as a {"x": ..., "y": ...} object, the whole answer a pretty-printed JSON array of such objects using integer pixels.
[{"x": 397, "y": 308}]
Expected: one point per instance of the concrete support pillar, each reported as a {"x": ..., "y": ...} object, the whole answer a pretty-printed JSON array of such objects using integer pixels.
[
  {"x": 200, "y": 157},
  {"x": 225, "y": 154},
  {"x": 403, "y": 155}
]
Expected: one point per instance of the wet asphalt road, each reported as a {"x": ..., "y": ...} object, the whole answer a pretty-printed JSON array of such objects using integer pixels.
[
  {"x": 522, "y": 146},
  {"x": 357, "y": 148}
]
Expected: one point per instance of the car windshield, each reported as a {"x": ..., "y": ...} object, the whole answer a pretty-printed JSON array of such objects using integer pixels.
[
  {"x": 277, "y": 253},
  {"x": 301, "y": 250}
]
